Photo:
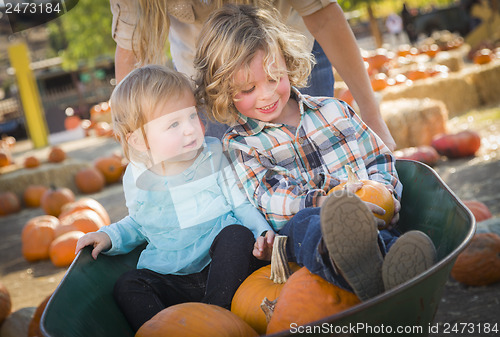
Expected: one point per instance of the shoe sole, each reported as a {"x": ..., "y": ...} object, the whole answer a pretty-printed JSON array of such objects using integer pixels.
[
  {"x": 412, "y": 254},
  {"x": 351, "y": 237}
]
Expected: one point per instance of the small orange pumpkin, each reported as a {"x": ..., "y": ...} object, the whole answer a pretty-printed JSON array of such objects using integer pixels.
[
  {"x": 5, "y": 303},
  {"x": 31, "y": 162},
  {"x": 5, "y": 157},
  {"x": 372, "y": 191},
  {"x": 9, "y": 203},
  {"x": 72, "y": 122},
  {"x": 195, "y": 320},
  {"x": 89, "y": 180},
  {"x": 62, "y": 249},
  {"x": 33, "y": 194},
  {"x": 423, "y": 153},
  {"x": 265, "y": 282},
  {"x": 56, "y": 155},
  {"x": 111, "y": 167},
  {"x": 379, "y": 82},
  {"x": 85, "y": 220},
  {"x": 86, "y": 203},
  {"x": 34, "y": 326},
  {"x": 481, "y": 211},
  {"x": 54, "y": 198},
  {"x": 36, "y": 237},
  {"x": 479, "y": 263},
  {"x": 323, "y": 299},
  {"x": 483, "y": 56}
]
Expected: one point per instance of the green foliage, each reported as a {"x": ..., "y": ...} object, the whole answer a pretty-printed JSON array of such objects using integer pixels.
[
  {"x": 383, "y": 8},
  {"x": 83, "y": 35}
]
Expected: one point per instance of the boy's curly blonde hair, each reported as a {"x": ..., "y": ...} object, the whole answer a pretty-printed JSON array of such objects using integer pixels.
[
  {"x": 230, "y": 38},
  {"x": 135, "y": 98}
]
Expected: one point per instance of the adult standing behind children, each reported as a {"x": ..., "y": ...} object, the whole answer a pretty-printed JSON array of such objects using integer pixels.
[{"x": 150, "y": 22}]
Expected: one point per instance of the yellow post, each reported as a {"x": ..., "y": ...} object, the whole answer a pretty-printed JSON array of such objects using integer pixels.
[{"x": 30, "y": 97}]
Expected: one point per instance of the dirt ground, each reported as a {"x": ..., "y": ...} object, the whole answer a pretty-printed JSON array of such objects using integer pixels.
[{"x": 471, "y": 178}]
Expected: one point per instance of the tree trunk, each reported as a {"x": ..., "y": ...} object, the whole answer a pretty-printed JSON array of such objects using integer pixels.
[{"x": 377, "y": 35}]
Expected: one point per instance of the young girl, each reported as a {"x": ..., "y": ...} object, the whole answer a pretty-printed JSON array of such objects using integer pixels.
[
  {"x": 182, "y": 201},
  {"x": 289, "y": 150}
]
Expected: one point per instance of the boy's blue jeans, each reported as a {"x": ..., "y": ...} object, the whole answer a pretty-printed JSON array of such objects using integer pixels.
[{"x": 303, "y": 245}]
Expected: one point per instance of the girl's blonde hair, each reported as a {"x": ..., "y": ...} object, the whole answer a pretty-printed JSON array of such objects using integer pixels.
[
  {"x": 135, "y": 98},
  {"x": 229, "y": 40},
  {"x": 153, "y": 24}
]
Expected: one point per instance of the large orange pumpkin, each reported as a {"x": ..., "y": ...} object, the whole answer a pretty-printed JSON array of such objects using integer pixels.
[
  {"x": 54, "y": 198},
  {"x": 62, "y": 249},
  {"x": 89, "y": 180},
  {"x": 195, "y": 320},
  {"x": 5, "y": 303},
  {"x": 85, "y": 220},
  {"x": 265, "y": 282},
  {"x": 462, "y": 144},
  {"x": 479, "y": 263},
  {"x": 36, "y": 237},
  {"x": 33, "y": 194},
  {"x": 372, "y": 191},
  {"x": 9, "y": 203},
  {"x": 305, "y": 298},
  {"x": 111, "y": 167},
  {"x": 481, "y": 211},
  {"x": 86, "y": 203}
]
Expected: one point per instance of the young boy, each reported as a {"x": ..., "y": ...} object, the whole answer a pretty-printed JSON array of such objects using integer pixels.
[{"x": 289, "y": 150}]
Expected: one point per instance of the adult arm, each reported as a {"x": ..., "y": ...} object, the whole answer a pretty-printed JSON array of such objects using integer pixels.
[
  {"x": 332, "y": 31},
  {"x": 125, "y": 61}
]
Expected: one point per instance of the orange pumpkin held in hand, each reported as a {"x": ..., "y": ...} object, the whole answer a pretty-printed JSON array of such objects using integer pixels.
[{"x": 372, "y": 191}]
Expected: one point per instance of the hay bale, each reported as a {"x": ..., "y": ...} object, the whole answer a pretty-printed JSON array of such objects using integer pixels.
[
  {"x": 456, "y": 91},
  {"x": 57, "y": 174},
  {"x": 453, "y": 60},
  {"x": 414, "y": 122},
  {"x": 486, "y": 80}
]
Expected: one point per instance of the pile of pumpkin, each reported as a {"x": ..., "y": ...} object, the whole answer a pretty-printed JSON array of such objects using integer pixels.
[
  {"x": 479, "y": 263},
  {"x": 98, "y": 125},
  {"x": 105, "y": 171},
  {"x": 453, "y": 145},
  {"x": 54, "y": 235}
]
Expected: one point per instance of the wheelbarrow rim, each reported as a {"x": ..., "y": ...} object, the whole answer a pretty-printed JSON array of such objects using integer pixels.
[{"x": 417, "y": 279}]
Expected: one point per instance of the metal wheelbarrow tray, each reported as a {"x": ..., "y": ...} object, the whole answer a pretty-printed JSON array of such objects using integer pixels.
[{"x": 83, "y": 304}]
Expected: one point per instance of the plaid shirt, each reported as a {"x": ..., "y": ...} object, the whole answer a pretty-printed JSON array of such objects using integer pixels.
[{"x": 284, "y": 169}]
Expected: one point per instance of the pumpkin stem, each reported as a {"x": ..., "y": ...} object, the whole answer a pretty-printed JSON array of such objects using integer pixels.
[
  {"x": 351, "y": 176},
  {"x": 268, "y": 308},
  {"x": 280, "y": 271}
]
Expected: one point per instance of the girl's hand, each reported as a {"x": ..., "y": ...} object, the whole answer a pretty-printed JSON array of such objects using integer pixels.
[
  {"x": 99, "y": 240},
  {"x": 263, "y": 246}
]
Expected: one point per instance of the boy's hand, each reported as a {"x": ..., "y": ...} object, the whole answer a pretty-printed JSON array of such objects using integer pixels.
[
  {"x": 397, "y": 207},
  {"x": 99, "y": 240},
  {"x": 263, "y": 247}
]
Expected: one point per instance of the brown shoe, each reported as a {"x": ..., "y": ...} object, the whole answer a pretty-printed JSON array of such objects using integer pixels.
[{"x": 351, "y": 238}]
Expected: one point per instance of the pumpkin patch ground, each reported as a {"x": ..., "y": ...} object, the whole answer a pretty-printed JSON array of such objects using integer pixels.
[{"x": 478, "y": 177}]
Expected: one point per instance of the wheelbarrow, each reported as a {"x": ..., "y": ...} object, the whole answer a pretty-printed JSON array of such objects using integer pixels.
[{"x": 83, "y": 304}]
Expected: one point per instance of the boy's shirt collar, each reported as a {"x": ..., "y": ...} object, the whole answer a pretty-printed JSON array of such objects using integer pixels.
[{"x": 246, "y": 126}]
